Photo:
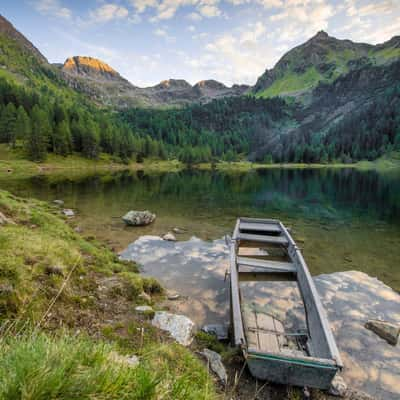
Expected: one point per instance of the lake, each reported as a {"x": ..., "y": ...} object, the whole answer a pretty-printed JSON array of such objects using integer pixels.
[{"x": 343, "y": 219}]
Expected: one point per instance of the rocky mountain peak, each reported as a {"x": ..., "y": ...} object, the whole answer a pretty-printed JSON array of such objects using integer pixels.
[
  {"x": 89, "y": 67},
  {"x": 173, "y": 84},
  {"x": 8, "y": 30},
  {"x": 210, "y": 84}
]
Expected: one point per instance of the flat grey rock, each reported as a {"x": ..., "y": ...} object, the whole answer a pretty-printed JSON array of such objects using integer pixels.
[
  {"x": 181, "y": 328},
  {"x": 216, "y": 365},
  {"x": 169, "y": 236},
  {"x": 386, "y": 330}
]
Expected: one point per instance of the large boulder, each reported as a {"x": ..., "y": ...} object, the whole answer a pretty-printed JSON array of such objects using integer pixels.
[
  {"x": 181, "y": 328},
  {"x": 386, "y": 330},
  {"x": 138, "y": 218}
]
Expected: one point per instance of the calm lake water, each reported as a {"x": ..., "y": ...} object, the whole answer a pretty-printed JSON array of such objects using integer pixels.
[{"x": 343, "y": 219}]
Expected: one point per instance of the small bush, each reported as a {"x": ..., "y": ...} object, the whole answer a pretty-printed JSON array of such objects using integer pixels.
[
  {"x": 134, "y": 284},
  {"x": 151, "y": 286}
]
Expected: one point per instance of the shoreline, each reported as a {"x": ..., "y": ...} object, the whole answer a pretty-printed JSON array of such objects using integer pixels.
[{"x": 74, "y": 165}]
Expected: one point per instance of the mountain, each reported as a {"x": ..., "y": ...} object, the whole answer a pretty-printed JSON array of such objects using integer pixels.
[
  {"x": 103, "y": 84},
  {"x": 7, "y": 30},
  {"x": 321, "y": 59}
]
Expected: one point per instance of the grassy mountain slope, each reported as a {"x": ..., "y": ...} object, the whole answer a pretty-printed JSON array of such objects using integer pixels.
[{"x": 321, "y": 59}]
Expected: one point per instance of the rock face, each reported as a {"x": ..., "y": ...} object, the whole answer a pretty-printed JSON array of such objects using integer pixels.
[
  {"x": 181, "y": 328},
  {"x": 215, "y": 364},
  {"x": 138, "y": 218},
  {"x": 386, "y": 330},
  {"x": 91, "y": 68}
]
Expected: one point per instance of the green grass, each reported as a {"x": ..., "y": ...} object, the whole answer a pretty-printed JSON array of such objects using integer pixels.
[
  {"x": 58, "y": 283},
  {"x": 292, "y": 82},
  {"x": 13, "y": 164},
  {"x": 39, "y": 366}
]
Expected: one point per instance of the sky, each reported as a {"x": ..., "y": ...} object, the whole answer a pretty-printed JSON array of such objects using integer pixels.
[{"x": 232, "y": 41}]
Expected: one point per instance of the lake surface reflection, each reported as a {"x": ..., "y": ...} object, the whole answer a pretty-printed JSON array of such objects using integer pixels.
[{"x": 342, "y": 218}]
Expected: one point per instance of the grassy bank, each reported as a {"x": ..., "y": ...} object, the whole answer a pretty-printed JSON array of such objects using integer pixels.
[
  {"x": 14, "y": 164},
  {"x": 385, "y": 163},
  {"x": 67, "y": 318}
]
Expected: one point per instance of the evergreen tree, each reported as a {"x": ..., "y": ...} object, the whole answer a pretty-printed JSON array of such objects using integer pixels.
[
  {"x": 36, "y": 142},
  {"x": 7, "y": 124},
  {"x": 22, "y": 124}
]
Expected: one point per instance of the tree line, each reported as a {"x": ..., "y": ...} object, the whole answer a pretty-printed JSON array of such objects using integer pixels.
[
  {"x": 44, "y": 123},
  {"x": 221, "y": 129}
]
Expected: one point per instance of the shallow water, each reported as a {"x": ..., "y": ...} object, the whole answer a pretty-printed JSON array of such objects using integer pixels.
[
  {"x": 196, "y": 269},
  {"x": 343, "y": 219}
]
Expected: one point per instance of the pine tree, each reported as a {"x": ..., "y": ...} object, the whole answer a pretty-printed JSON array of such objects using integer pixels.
[
  {"x": 7, "y": 124},
  {"x": 36, "y": 143},
  {"x": 62, "y": 142},
  {"x": 22, "y": 124}
]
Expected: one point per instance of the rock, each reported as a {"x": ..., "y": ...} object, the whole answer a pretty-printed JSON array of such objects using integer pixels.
[
  {"x": 78, "y": 229},
  {"x": 386, "y": 330},
  {"x": 143, "y": 309},
  {"x": 144, "y": 296},
  {"x": 216, "y": 365},
  {"x": 338, "y": 387},
  {"x": 178, "y": 231},
  {"x": 218, "y": 330},
  {"x": 132, "y": 361},
  {"x": 138, "y": 218},
  {"x": 180, "y": 327},
  {"x": 170, "y": 237},
  {"x": 68, "y": 212},
  {"x": 173, "y": 295},
  {"x": 5, "y": 220},
  {"x": 58, "y": 202}
]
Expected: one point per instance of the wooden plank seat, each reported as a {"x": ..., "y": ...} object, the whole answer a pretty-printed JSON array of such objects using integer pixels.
[
  {"x": 266, "y": 265},
  {"x": 257, "y": 226},
  {"x": 277, "y": 240}
]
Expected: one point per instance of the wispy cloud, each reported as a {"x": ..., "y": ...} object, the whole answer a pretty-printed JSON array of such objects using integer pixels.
[
  {"x": 53, "y": 8},
  {"x": 108, "y": 12}
]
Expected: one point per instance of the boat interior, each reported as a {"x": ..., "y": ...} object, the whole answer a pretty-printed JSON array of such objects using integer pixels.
[{"x": 265, "y": 253}]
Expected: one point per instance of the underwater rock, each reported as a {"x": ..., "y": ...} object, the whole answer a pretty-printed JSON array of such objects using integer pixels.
[
  {"x": 138, "y": 218},
  {"x": 169, "y": 236},
  {"x": 386, "y": 330},
  {"x": 68, "y": 212},
  {"x": 220, "y": 331},
  {"x": 180, "y": 327}
]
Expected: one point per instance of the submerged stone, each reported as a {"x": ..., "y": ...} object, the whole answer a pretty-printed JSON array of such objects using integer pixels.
[
  {"x": 220, "y": 331},
  {"x": 138, "y": 218},
  {"x": 169, "y": 236},
  {"x": 386, "y": 330},
  {"x": 338, "y": 387},
  {"x": 68, "y": 212}
]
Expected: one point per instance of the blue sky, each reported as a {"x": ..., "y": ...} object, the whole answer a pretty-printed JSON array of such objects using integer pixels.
[{"x": 232, "y": 41}]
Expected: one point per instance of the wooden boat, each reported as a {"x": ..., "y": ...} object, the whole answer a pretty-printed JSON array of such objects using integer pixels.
[{"x": 309, "y": 358}]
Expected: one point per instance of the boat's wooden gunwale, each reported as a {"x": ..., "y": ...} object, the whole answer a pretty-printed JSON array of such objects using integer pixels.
[
  {"x": 281, "y": 356},
  {"x": 310, "y": 296},
  {"x": 321, "y": 340}
]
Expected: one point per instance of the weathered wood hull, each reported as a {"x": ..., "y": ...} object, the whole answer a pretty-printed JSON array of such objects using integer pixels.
[
  {"x": 262, "y": 338},
  {"x": 290, "y": 371}
]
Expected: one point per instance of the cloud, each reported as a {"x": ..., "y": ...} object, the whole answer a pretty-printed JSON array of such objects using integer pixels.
[
  {"x": 372, "y": 9},
  {"x": 302, "y": 18},
  {"x": 108, "y": 12},
  {"x": 166, "y": 9},
  {"x": 53, "y": 8},
  {"x": 238, "y": 56}
]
